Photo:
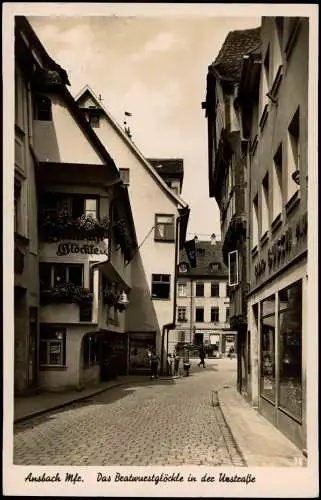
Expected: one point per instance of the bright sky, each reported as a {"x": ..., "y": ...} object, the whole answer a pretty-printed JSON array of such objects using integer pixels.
[{"x": 155, "y": 68}]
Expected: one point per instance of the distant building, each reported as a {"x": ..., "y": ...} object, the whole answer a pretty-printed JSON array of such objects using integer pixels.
[
  {"x": 171, "y": 171},
  {"x": 160, "y": 217},
  {"x": 203, "y": 307}
]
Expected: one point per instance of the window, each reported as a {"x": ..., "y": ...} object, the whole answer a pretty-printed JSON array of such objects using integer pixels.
[
  {"x": 91, "y": 207},
  {"x": 181, "y": 315},
  {"x": 183, "y": 267},
  {"x": 90, "y": 350},
  {"x": 52, "y": 346},
  {"x": 233, "y": 268},
  {"x": 199, "y": 289},
  {"x": 290, "y": 349},
  {"x": 94, "y": 120},
  {"x": 55, "y": 274},
  {"x": 199, "y": 316},
  {"x": 277, "y": 183},
  {"x": 293, "y": 154},
  {"x": 164, "y": 227},
  {"x": 215, "y": 289},
  {"x": 215, "y": 266},
  {"x": 278, "y": 44},
  {"x": 255, "y": 222},
  {"x": 214, "y": 314},
  {"x": 17, "y": 206},
  {"x": 265, "y": 205},
  {"x": 124, "y": 175},
  {"x": 81, "y": 205},
  {"x": 182, "y": 290},
  {"x": 18, "y": 101},
  {"x": 161, "y": 286},
  {"x": 43, "y": 110},
  {"x": 267, "y": 383},
  {"x": 227, "y": 314},
  {"x": 181, "y": 336},
  {"x": 265, "y": 81}
]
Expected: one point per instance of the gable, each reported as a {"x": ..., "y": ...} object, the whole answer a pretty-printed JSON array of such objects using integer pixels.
[
  {"x": 87, "y": 102},
  {"x": 62, "y": 139},
  {"x": 106, "y": 118}
]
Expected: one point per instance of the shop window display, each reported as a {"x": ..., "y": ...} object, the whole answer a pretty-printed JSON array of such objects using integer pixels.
[
  {"x": 290, "y": 349},
  {"x": 268, "y": 349}
]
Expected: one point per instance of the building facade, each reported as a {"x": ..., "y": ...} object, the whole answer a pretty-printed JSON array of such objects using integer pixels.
[
  {"x": 203, "y": 307},
  {"x": 228, "y": 178},
  {"x": 160, "y": 217},
  {"x": 277, "y": 123}
]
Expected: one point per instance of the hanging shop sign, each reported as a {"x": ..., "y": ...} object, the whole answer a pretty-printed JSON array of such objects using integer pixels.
[{"x": 68, "y": 248}]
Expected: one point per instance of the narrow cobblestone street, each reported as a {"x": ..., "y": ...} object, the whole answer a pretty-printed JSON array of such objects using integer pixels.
[{"x": 162, "y": 422}]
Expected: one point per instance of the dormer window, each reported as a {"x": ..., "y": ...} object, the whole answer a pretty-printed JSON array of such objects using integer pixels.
[
  {"x": 183, "y": 267},
  {"x": 94, "y": 120},
  {"x": 43, "y": 108},
  {"x": 215, "y": 266}
]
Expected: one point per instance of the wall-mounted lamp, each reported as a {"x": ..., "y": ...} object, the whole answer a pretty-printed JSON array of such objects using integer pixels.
[
  {"x": 271, "y": 98},
  {"x": 296, "y": 177}
]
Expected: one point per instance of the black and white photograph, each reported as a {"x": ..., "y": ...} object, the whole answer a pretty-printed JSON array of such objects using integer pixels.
[{"x": 160, "y": 250}]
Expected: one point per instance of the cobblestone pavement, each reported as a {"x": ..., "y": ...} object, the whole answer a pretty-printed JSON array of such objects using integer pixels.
[{"x": 148, "y": 423}]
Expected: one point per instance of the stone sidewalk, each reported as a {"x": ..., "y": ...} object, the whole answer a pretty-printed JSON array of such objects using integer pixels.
[
  {"x": 260, "y": 443},
  {"x": 30, "y": 406}
]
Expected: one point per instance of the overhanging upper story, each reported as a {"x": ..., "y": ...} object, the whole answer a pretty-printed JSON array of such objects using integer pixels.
[{"x": 221, "y": 105}]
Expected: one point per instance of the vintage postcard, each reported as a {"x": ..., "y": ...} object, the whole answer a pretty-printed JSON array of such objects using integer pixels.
[{"x": 160, "y": 250}]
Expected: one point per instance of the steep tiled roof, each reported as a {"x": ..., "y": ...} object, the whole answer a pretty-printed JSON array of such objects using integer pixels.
[
  {"x": 168, "y": 166},
  {"x": 206, "y": 254},
  {"x": 237, "y": 43}
]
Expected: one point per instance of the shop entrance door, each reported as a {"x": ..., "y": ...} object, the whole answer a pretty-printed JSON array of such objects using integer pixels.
[{"x": 140, "y": 344}]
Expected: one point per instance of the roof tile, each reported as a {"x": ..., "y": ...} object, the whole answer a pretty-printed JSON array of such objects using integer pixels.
[{"x": 237, "y": 44}]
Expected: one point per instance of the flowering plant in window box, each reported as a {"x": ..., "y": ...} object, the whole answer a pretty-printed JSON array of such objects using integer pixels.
[
  {"x": 54, "y": 227},
  {"x": 66, "y": 293}
]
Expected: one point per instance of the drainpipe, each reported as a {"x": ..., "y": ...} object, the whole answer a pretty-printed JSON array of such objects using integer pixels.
[{"x": 170, "y": 326}]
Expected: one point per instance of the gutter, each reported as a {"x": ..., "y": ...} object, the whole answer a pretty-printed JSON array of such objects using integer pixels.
[{"x": 184, "y": 213}]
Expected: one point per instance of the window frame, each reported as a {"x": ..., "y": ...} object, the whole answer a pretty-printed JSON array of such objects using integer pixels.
[
  {"x": 215, "y": 284},
  {"x": 197, "y": 285},
  {"x": 166, "y": 238},
  {"x": 215, "y": 310},
  {"x": 163, "y": 282},
  {"x": 184, "y": 285},
  {"x": 38, "y": 110},
  {"x": 197, "y": 310},
  {"x": 48, "y": 342},
  {"x": 181, "y": 318}
]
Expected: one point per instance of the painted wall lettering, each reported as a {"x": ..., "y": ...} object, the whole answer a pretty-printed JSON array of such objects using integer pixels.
[{"x": 67, "y": 248}]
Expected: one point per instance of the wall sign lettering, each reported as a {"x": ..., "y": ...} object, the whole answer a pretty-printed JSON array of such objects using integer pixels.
[{"x": 67, "y": 248}]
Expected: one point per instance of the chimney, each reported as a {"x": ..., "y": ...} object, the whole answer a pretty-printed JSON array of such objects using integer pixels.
[{"x": 213, "y": 239}]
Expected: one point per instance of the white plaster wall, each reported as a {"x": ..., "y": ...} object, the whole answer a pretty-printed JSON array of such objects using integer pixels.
[
  {"x": 62, "y": 140},
  {"x": 57, "y": 380}
]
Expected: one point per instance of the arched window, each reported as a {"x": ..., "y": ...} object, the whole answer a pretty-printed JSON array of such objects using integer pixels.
[{"x": 43, "y": 108}]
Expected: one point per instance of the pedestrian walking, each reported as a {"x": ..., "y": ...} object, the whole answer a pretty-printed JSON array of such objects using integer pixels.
[
  {"x": 186, "y": 362},
  {"x": 176, "y": 363},
  {"x": 202, "y": 357},
  {"x": 154, "y": 362}
]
